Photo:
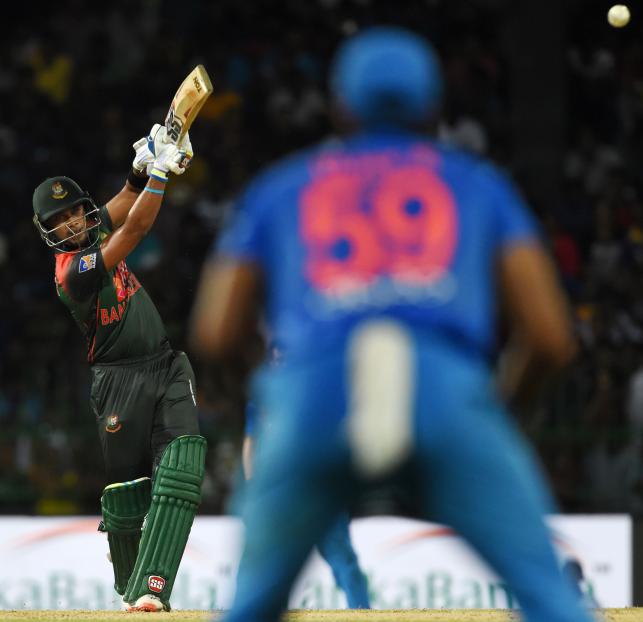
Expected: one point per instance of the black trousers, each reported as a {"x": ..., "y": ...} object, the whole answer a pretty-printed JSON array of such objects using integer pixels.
[{"x": 140, "y": 407}]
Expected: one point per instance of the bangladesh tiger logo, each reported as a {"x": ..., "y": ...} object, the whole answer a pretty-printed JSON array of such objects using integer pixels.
[
  {"x": 113, "y": 424},
  {"x": 58, "y": 192}
]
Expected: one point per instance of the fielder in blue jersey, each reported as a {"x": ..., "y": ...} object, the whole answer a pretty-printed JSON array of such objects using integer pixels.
[
  {"x": 335, "y": 546},
  {"x": 382, "y": 262}
]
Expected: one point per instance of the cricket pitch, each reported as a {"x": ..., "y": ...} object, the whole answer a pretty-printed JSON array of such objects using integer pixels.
[{"x": 345, "y": 615}]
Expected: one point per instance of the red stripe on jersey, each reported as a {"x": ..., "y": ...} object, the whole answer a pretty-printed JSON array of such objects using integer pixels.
[
  {"x": 63, "y": 261},
  {"x": 90, "y": 352}
]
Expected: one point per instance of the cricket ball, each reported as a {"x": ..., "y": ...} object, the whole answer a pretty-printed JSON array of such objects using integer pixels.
[{"x": 618, "y": 16}]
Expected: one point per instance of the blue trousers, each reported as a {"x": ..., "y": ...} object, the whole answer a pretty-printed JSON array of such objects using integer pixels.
[
  {"x": 471, "y": 469},
  {"x": 336, "y": 548}
]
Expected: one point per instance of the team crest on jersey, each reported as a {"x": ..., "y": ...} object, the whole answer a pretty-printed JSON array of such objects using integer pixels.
[
  {"x": 57, "y": 191},
  {"x": 156, "y": 583},
  {"x": 113, "y": 424},
  {"x": 87, "y": 262}
]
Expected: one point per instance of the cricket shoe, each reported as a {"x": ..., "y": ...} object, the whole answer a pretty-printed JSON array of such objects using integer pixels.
[{"x": 148, "y": 602}]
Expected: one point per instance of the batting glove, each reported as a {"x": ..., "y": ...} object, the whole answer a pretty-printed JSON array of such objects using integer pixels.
[
  {"x": 170, "y": 159},
  {"x": 142, "y": 157},
  {"x": 146, "y": 148},
  {"x": 149, "y": 148}
]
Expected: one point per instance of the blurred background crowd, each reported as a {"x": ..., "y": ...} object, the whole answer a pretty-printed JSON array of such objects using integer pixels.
[{"x": 546, "y": 89}]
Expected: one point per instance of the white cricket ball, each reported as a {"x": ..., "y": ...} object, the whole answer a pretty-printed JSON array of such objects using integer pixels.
[{"x": 618, "y": 16}]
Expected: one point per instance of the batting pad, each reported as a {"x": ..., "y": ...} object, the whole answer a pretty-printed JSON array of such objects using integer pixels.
[
  {"x": 124, "y": 506},
  {"x": 176, "y": 494}
]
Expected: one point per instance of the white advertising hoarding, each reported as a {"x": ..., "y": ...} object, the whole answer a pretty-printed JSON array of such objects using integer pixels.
[{"x": 60, "y": 563}]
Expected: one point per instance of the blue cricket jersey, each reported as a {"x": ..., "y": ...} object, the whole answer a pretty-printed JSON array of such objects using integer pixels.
[{"x": 380, "y": 225}]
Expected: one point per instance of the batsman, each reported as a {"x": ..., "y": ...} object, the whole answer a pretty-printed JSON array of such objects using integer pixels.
[{"x": 142, "y": 391}]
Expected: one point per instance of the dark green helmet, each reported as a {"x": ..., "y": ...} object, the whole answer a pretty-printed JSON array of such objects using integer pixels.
[{"x": 54, "y": 196}]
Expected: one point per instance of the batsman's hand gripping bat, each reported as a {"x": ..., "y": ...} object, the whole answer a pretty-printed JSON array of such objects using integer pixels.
[{"x": 186, "y": 104}]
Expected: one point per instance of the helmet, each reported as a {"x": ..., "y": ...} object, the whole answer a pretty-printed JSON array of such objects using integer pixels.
[
  {"x": 55, "y": 195},
  {"x": 387, "y": 75}
]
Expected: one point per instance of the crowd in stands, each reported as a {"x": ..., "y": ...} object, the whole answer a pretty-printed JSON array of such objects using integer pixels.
[{"x": 80, "y": 86}]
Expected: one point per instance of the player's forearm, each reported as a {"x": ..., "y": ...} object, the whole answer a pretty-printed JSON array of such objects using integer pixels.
[
  {"x": 225, "y": 311},
  {"x": 542, "y": 335},
  {"x": 515, "y": 375},
  {"x": 524, "y": 375},
  {"x": 138, "y": 222},
  {"x": 120, "y": 206},
  {"x": 123, "y": 202},
  {"x": 145, "y": 209}
]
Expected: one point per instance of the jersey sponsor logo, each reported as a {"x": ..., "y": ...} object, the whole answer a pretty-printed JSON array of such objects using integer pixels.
[
  {"x": 87, "y": 263},
  {"x": 113, "y": 424},
  {"x": 156, "y": 583},
  {"x": 57, "y": 191}
]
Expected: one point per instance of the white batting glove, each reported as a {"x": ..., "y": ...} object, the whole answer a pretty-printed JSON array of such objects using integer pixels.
[
  {"x": 168, "y": 160},
  {"x": 142, "y": 157},
  {"x": 148, "y": 148}
]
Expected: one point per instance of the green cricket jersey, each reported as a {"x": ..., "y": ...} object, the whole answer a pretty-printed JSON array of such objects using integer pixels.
[{"x": 113, "y": 311}]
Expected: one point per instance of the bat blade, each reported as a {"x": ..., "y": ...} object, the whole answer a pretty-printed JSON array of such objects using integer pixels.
[{"x": 188, "y": 101}]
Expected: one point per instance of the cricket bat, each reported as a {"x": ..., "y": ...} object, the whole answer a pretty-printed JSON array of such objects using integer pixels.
[{"x": 187, "y": 102}]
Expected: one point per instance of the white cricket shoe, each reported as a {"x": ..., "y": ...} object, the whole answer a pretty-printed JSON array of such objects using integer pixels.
[{"x": 148, "y": 602}]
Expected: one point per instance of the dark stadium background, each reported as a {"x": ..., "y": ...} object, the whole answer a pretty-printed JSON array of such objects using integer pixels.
[{"x": 546, "y": 88}]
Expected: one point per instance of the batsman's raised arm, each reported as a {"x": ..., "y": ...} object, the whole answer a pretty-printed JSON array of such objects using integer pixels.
[
  {"x": 137, "y": 223},
  {"x": 161, "y": 158},
  {"x": 120, "y": 205},
  {"x": 145, "y": 149}
]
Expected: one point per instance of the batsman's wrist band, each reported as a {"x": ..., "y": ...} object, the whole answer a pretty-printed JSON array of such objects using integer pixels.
[
  {"x": 154, "y": 190},
  {"x": 158, "y": 174},
  {"x": 137, "y": 182}
]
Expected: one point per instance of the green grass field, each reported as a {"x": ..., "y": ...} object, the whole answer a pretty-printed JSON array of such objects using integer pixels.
[{"x": 407, "y": 615}]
